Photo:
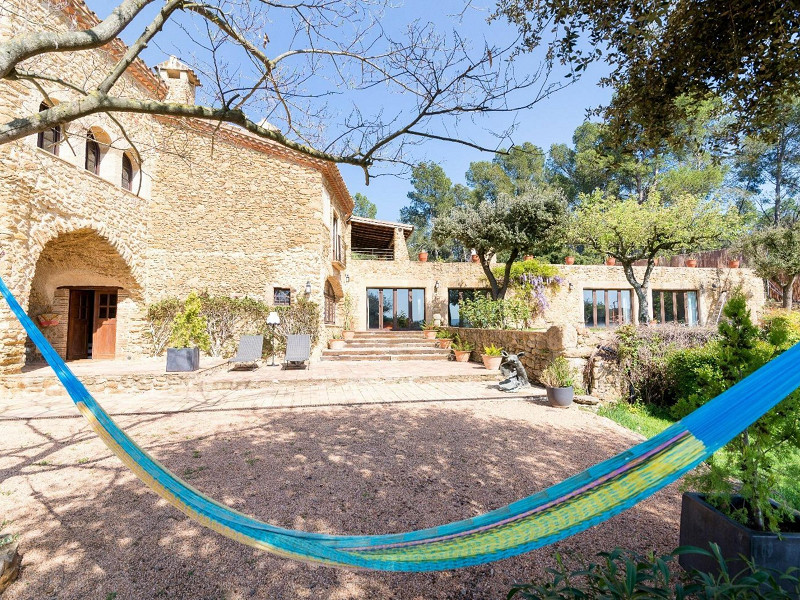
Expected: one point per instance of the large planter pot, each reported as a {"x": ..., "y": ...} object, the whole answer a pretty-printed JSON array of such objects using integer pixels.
[
  {"x": 701, "y": 523},
  {"x": 429, "y": 334},
  {"x": 569, "y": 260},
  {"x": 336, "y": 344},
  {"x": 733, "y": 264},
  {"x": 462, "y": 355},
  {"x": 560, "y": 397},
  {"x": 692, "y": 263},
  {"x": 491, "y": 362},
  {"x": 611, "y": 261},
  {"x": 348, "y": 335},
  {"x": 423, "y": 257},
  {"x": 183, "y": 359},
  {"x": 444, "y": 343}
]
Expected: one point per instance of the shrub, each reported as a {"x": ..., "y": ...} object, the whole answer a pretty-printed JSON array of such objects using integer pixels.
[
  {"x": 189, "y": 326},
  {"x": 301, "y": 317},
  {"x": 558, "y": 374},
  {"x": 159, "y": 323},
  {"x": 229, "y": 318},
  {"x": 624, "y": 574},
  {"x": 492, "y": 350},
  {"x": 484, "y": 313},
  {"x": 532, "y": 279}
]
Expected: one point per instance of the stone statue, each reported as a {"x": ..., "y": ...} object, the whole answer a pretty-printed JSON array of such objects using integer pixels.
[{"x": 514, "y": 372}]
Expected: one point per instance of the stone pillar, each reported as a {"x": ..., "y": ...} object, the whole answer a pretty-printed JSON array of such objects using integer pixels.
[{"x": 400, "y": 247}]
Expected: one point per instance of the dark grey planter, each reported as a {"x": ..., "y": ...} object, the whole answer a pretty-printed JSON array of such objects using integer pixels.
[
  {"x": 701, "y": 524},
  {"x": 183, "y": 359},
  {"x": 560, "y": 397}
]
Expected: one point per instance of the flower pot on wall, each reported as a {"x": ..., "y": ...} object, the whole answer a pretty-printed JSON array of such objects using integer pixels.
[
  {"x": 560, "y": 397},
  {"x": 475, "y": 258},
  {"x": 48, "y": 320},
  {"x": 183, "y": 359},
  {"x": 733, "y": 264},
  {"x": 569, "y": 260},
  {"x": 423, "y": 257},
  {"x": 611, "y": 261},
  {"x": 491, "y": 362},
  {"x": 462, "y": 355},
  {"x": 691, "y": 262},
  {"x": 528, "y": 257}
]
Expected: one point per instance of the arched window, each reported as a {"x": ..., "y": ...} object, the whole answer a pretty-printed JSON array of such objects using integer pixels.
[
  {"x": 127, "y": 172},
  {"x": 330, "y": 304},
  {"x": 49, "y": 138},
  {"x": 92, "y": 154}
]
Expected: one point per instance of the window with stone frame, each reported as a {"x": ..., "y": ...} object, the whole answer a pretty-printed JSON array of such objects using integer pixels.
[
  {"x": 127, "y": 173},
  {"x": 92, "y": 163},
  {"x": 330, "y": 304},
  {"x": 606, "y": 308},
  {"x": 282, "y": 296},
  {"x": 49, "y": 139},
  {"x": 675, "y": 306}
]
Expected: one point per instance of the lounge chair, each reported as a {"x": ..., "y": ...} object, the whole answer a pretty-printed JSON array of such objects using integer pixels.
[
  {"x": 298, "y": 350},
  {"x": 250, "y": 350}
]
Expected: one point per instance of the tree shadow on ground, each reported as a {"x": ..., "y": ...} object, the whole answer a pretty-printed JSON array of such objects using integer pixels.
[{"x": 91, "y": 529}]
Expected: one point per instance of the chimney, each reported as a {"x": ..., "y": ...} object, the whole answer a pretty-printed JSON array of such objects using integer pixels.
[{"x": 180, "y": 79}]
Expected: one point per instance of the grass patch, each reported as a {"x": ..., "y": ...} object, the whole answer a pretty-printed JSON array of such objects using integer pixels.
[{"x": 647, "y": 419}]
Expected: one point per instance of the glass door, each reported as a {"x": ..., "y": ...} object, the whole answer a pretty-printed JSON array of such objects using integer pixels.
[{"x": 395, "y": 308}]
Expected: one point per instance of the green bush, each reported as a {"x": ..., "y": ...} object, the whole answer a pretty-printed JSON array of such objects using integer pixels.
[
  {"x": 160, "y": 317},
  {"x": 484, "y": 313},
  {"x": 301, "y": 317},
  {"x": 189, "y": 326},
  {"x": 627, "y": 575}
]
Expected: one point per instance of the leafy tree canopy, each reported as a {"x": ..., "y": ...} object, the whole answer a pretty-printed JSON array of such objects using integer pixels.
[
  {"x": 775, "y": 253},
  {"x": 363, "y": 207}
]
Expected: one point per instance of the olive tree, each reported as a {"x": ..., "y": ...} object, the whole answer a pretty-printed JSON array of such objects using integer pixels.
[
  {"x": 633, "y": 231},
  {"x": 775, "y": 253},
  {"x": 528, "y": 222}
]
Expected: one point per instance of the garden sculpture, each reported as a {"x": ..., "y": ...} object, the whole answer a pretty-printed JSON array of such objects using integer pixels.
[
  {"x": 548, "y": 516},
  {"x": 515, "y": 376}
]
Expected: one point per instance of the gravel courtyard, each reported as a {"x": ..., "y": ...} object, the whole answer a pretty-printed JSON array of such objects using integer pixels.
[{"x": 89, "y": 529}]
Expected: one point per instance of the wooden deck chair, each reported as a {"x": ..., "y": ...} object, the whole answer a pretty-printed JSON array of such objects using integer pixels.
[
  {"x": 298, "y": 350},
  {"x": 249, "y": 353}
]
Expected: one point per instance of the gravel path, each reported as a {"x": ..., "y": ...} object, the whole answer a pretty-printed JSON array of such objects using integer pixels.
[{"x": 91, "y": 530}]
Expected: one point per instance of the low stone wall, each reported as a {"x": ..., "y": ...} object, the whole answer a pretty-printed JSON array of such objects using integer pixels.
[{"x": 586, "y": 350}]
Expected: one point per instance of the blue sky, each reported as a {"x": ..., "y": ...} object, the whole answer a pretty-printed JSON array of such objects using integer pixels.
[{"x": 552, "y": 120}]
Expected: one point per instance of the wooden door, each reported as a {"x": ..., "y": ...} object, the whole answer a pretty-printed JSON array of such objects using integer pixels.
[
  {"x": 104, "y": 340},
  {"x": 79, "y": 326}
]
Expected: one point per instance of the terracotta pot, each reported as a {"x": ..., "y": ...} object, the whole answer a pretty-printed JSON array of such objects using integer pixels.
[
  {"x": 423, "y": 257},
  {"x": 336, "y": 344},
  {"x": 462, "y": 355},
  {"x": 491, "y": 362},
  {"x": 691, "y": 263},
  {"x": 611, "y": 261},
  {"x": 387, "y": 327},
  {"x": 348, "y": 335},
  {"x": 569, "y": 260},
  {"x": 475, "y": 258},
  {"x": 444, "y": 343},
  {"x": 429, "y": 334},
  {"x": 528, "y": 257},
  {"x": 733, "y": 264}
]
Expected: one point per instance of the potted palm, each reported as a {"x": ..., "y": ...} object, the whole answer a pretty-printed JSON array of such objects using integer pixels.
[
  {"x": 462, "y": 349},
  {"x": 445, "y": 338},
  {"x": 348, "y": 332},
  {"x": 336, "y": 342},
  {"x": 189, "y": 335},
  {"x": 559, "y": 380},
  {"x": 492, "y": 357},
  {"x": 429, "y": 330}
]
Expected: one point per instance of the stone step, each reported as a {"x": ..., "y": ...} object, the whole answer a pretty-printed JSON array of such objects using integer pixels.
[
  {"x": 388, "y": 333},
  {"x": 401, "y": 343},
  {"x": 384, "y": 357},
  {"x": 385, "y": 350}
]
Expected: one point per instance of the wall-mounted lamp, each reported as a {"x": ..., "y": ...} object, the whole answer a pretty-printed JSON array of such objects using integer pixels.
[
  {"x": 436, "y": 286},
  {"x": 308, "y": 288},
  {"x": 346, "y": 278},
  {"x": 571, "y": 286}
]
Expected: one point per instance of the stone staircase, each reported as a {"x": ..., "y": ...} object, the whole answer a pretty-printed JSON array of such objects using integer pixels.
[{"x": 388, "y": 345}]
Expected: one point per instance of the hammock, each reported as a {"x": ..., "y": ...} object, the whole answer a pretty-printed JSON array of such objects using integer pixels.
[{"x": 558, "y": 512}]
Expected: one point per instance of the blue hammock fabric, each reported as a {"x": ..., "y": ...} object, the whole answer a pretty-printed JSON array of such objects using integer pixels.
[{"x": 558, "y": 512}]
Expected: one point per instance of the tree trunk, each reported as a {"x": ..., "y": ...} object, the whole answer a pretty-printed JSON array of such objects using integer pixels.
[
  {"x": 498, "y": 291},
  {"x": 788, "y": 290},
  {"x": 640, "y": 288}
]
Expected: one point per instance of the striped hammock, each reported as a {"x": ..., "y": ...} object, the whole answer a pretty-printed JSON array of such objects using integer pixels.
[{"x": 560, "y": 511}]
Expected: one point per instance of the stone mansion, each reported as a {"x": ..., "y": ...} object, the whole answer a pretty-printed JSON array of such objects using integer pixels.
[{"x": 93, "y": 229}]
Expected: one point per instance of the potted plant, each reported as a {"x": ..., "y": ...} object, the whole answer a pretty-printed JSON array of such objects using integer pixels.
[
  {"x": 474, "y": 257},
  {"x": 738, "y": 507},
  {"x": 445, "y": 338},
  {"x": 492, "y": 357},
  {"x": 611, "y": 261},
  {"x": 336, "y": 342},
  {"x": 691, "y": 263},
  {"x": 559, "y": 380},
  {"x": 733, "y": 264},
  {"x": 462, "y": 349},
  {"x": 569, "y": 260},
  {"x": 348, "y": 333},
  {"x": 423, "y": 256},
  {"x": 189, "y": 335},
  {"x": 428, "y": 330},
  {"x": 528, "y": 257}
]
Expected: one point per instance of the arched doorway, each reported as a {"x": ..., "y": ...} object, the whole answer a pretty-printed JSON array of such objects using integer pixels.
[{"x": 85, "y": 298}]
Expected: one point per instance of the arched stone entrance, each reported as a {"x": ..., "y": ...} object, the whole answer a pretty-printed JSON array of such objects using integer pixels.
[{"x": 85, "y": 299}]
